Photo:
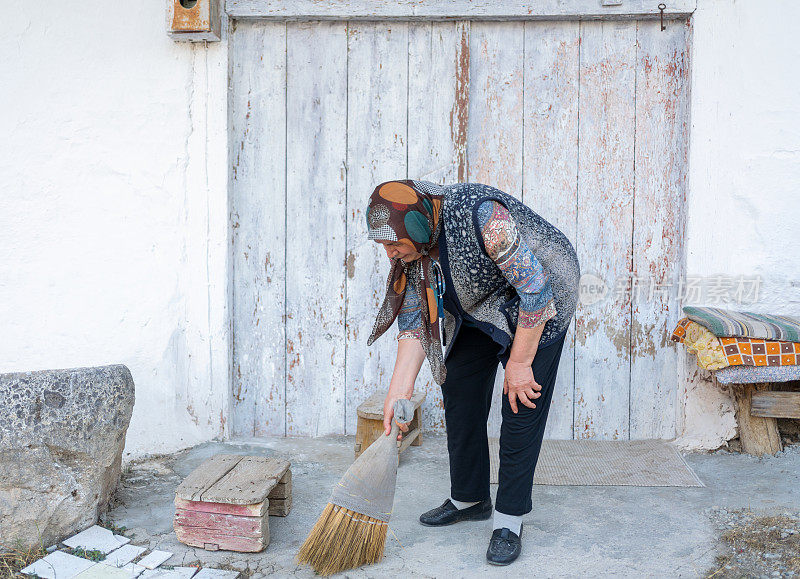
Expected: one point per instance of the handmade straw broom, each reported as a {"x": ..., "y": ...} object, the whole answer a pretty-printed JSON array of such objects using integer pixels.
[{"x": 351, "y": 531}]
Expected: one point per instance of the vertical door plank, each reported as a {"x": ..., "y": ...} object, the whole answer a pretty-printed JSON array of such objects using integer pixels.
[
  {"x": 376, "y": 152},
  {"x": 438, "y": 101},
  {"x": 437, "y": 139},
  {"x": 258, "y": 79},
  {"x": 605, "y": 221},
  {"x": 494, "y": 140},
  {"x": 662, "y": 84},
  {"x": 316, "y": 205},
  {"x": 551, "y": 163}
]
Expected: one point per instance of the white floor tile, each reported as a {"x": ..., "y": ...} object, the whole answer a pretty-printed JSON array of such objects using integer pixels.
[
  {"x": 103, "y": 572},
  {"x": 124, "y": 555},
  {"x": 134, "y": 570},
  {"x": 209, "y": 573},
  {"x": 174, "y": 573},
  {"x": 97, "y": 538},
  {"x": 58, "y": 565},
  {"x": 154, "y": 558}
]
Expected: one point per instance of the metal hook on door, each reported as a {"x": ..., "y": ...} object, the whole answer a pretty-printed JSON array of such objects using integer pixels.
[{"x": 662, "y": 7}]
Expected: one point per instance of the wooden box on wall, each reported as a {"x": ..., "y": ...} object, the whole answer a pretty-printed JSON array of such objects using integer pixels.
[{"x": 193, "y": 20}]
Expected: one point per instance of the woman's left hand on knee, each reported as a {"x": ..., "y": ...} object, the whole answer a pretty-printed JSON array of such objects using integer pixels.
[{"x": 519, "y": 384}]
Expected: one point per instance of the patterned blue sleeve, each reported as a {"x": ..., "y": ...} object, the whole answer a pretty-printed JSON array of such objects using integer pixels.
[
  {"x": 409, "y": 319},
  {"x": 516, "y": 261}
]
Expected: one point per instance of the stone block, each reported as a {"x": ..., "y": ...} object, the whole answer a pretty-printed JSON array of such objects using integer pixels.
[{"x": 62, "y": 433}]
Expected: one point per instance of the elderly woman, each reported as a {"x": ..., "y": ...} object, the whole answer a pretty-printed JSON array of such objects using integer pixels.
[{"x": 505, "y": 282}]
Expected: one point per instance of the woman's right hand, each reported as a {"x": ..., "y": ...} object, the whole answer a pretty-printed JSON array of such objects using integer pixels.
[{"x": 388, "y": 415}]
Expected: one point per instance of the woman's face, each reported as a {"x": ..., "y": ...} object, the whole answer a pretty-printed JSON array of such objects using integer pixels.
[{"x": 401, "y": 250}]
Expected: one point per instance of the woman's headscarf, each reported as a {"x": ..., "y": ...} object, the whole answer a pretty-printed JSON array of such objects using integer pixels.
[{"x": 409, "y": 211}]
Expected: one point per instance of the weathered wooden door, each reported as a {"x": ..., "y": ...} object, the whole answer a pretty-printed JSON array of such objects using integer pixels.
[{"x": 585, "y": 121}]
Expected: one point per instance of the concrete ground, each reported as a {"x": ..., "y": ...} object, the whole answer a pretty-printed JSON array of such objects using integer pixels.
[{"x": 572, "y": 531}]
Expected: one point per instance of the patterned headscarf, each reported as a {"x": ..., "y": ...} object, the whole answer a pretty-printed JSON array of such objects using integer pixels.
[{"x": 407, "y": 211}]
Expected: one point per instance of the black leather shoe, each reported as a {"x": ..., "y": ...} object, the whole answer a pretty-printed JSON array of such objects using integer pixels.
[
  {"x": 448, "y": 513},
  {"x": 504, "y": 546}
]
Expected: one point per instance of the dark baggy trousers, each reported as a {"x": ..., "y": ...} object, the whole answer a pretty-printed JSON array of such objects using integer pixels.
[{"x": 467, "y": 393}]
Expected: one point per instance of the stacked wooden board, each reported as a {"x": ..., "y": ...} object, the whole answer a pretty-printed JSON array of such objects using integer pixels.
[{"x": 225, "y": 503}]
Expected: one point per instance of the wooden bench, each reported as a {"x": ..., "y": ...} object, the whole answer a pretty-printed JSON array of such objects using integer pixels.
[
  {"x": 370, "y": 422},
  {"x": 757, "y": 411},
  {"x": 225, "y": 503}
]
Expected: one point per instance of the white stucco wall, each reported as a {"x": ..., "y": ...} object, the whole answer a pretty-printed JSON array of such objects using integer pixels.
[
  {"x": 744, "y": 175},
  {"x": 113, "y": 209},
  {"x": 113, "y": 213}
]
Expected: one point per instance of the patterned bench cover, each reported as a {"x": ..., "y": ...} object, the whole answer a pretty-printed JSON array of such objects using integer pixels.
[
  {"x": 756, "y": 374},
  {"x": 742, "y": 347}
]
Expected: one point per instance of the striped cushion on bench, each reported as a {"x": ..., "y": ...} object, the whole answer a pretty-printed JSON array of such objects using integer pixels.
[{"x": 724, "y": 323}]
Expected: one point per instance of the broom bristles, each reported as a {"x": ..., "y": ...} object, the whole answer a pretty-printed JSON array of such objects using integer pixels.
[{"x": 343, "y": 539}]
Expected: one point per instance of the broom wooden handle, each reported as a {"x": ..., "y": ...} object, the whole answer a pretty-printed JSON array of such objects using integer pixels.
[{"x": 395, "y": 431}]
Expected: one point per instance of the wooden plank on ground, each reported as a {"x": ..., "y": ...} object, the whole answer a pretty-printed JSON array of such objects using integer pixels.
[
  {"x": 249, "y": 482},
  {"x": 281, "y": 491},
  {"x": 550, "y": 161},
  {"x": 280, "y": 507},
  {"x": 253, "y": 510},
  {"x": 604, "y": 229},
  {"x": 258, "y": 79},
  {"x": 316, "y": 203},
  {"x": 208, "y": 473},
  {"x": 376, "y": 152},
  {"x": 280, "y": 497},
  {"x": 662, "y": 148},
  {"x": 223, "y": 524},
  {"x": 212, "y": 540}
]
